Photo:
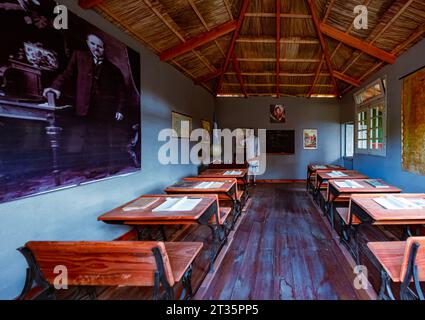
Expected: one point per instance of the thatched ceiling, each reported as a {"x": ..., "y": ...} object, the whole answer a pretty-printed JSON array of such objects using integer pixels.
[{"x": 201, "y": 38}]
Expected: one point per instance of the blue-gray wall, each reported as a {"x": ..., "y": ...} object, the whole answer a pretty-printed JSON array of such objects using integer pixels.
[
  {"x": 389, "y": 167},
  {"x": 71, "y": 214},
  {"x": 301, "y": 113}
]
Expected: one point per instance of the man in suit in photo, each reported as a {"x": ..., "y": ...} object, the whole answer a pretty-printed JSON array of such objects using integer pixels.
[{"x": 98, "y": 88}]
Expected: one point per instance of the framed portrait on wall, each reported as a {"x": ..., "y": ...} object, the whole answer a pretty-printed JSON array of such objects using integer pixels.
[
  {"x": 277, "y": 113},
  {"x": 181, "y": 124},
  {"x": 206, "y": 125},
  {"x": 310, "y": 139},
  {"x": 69, "y": 102}
]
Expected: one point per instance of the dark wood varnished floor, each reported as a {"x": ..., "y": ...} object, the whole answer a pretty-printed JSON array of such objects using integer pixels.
[{"x": 283, "y": 250}]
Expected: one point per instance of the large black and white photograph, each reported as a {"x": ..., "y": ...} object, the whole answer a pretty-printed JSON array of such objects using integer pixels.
[{"x": 69, "y": 102}]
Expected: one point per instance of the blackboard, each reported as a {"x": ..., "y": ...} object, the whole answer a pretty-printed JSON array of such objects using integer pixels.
[{"x": 281, "y": 141}]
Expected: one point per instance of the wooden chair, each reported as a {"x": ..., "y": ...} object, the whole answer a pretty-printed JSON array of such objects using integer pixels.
[
  {"x": 116, "y": 263},
  {"x": 402, "y": 262}
]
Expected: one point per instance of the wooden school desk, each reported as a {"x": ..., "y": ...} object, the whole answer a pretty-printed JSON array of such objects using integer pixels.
[
  {"x": 220, "y": 173},
  {"x": 322, "y": 177},
  {"x": 312, "y": 169},
  {"x": 205, "y": 213},
  {"x": 342, "y": 195},
  {"x": 364, "y": 210},
  {"x": 227, "y": 192}
]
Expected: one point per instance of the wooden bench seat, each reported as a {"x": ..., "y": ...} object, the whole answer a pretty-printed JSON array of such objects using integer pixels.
[
  {"x": 344, "y": 214},
  {"x": 115, "y": 263},
  {"x": 402, "y": 262}
]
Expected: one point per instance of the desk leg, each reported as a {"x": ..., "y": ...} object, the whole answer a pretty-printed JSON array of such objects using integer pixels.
[{"x": 53, "y": 133}]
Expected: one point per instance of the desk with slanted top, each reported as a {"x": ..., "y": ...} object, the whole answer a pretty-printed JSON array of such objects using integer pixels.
[
  {"x": 342, "y": 195},
  {"x": 312, "y": 170},
  {"x": 226, "y": 192},
  {"x": 205, "y": 213},
  {"x": 242, "y": 177},
  {"x": 322, "y": 177},
  {"x": 364, "y": 210}
]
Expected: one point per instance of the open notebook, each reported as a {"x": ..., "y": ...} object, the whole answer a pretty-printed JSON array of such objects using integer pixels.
[
  {"x": 178, "y": 204},
  {"x": 400, "y": 203},
  {"x": 140, "y": 204},
  {"x": 232, "y": 172},
  {"x": 348, "y": 184},
  {"x": 209, "y": 185},
  {"x": 336, "y": 174}
]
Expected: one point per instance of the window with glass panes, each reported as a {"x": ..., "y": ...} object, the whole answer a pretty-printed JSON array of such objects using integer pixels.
[{"x": 371, "y": 118}]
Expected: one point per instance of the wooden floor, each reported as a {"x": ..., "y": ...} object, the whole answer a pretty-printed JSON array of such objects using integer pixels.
[{"x": 283, "y": 250}]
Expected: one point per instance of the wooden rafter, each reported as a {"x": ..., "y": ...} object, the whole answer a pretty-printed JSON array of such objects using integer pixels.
[
  {"x": 357, "y": 43},
  {"x": 294, "y": 60},
  {"x": 365, "y": 3},
  {"x": 273, "y": 15},
  {"x": 383, "y": 26},
  {"x": 238, "y": 74},
  {"x": 277, "y": 47},
  {"x": 157, "y": 8},
  {"x": 204, "y": 23},
  {"x": 88, "y": 4},
  {"x": 208, "y": 77},
  {"x": 242, "y": 13},
  {"x": 228, "y": 8},
  {"x": 347, "y": 79},
  {"x": 418, "y": 33},
  {"x": 195, "y": 42},
  {"x": 325, "y": 51},
  {"x": 290, "y": 85},
  {"x": 292, "y": 40},
  {"x": 317, "y": 75}
]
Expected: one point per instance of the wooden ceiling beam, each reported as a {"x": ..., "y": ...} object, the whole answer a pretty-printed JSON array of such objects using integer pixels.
[
  {"x": 317, "y": 75},
  {"x": 208, "y": 77},
  {"x": 325, "y": 51},
  {"x": 240, "y": 20},
  {"x": 238, "y": 74},
  {"x": 300, "y": 60},
  {"x": 357, "y": 43},
  {"x": 289, "y": 85},
  {"x": 417, "y": 34},
  {"x": 293, "y": 40},
  {"x": 347, "y": 79},
  {"x": 204, "y": 23},
  {"x": 273, "y": 15},
  {"x": 88, "y": 4},
  {"x": 277, "y": 47},
  {"x": 389, "y": 17},
  {"x": 197, "y": 41}
]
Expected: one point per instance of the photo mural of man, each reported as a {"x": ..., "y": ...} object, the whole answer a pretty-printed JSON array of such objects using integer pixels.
[{"x": 99, "y": 99}]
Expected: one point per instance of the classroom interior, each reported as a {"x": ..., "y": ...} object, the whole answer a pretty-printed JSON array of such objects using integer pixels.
[{"x": 329, "y": 205}]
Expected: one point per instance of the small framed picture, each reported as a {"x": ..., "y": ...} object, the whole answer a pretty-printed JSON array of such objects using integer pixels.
[
  {"x": 277, "y": 113},
  {"x": 181, "y": 124},
  {"x": 310, "y": 139}
]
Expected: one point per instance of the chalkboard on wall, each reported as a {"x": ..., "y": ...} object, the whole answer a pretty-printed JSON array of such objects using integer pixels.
[{"x": 281, "y": 141}]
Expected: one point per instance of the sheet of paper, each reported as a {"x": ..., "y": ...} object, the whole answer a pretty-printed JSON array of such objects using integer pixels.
[
  {"x": 337, "y": 174},
  {"x": 349, "y": 184},
  {"x": 178, "y": 204},
  {"x": 319, "y": 167},
  {"x": 209, "y": 185},
  {"x": 396, "y": 203},
  {"x": 139, "y": 204},
  {"x": 232, "y": 172}
]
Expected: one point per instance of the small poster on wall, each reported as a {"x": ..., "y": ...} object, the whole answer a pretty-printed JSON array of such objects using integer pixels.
[
  {"x": 277, "y": 113},
  {"x": 310, "y": 139},
  {"x": 181, "y": 124}
]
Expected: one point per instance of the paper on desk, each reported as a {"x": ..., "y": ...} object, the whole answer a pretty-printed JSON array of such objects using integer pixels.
[
  {"x": 397, "y": 203},
  {"x": 349, "y": 184},
  {"x": 232, "y": 173},
  {"x": 319, "y": 167},
  {"x": 139, "y": 204},
  {"x": 209, "y": 185},
  {"x": 336, "y": 174},
  {"x": 178, "y": 204}
]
